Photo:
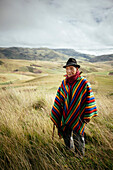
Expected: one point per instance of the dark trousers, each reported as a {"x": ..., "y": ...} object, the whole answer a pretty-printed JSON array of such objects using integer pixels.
[{"x": 75, "y": 141}]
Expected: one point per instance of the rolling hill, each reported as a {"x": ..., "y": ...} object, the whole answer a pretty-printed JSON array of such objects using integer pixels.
[
  {"x": 72, "y": 52},
  {"x": 29, "y": 53},
  {"x": 46, "y": 54},
  {"x": 40, "y": 54},
  {"x": 102, "y": 58}
]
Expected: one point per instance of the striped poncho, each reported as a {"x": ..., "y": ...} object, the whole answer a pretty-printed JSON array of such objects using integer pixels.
[{"x": 72, "y": 113}]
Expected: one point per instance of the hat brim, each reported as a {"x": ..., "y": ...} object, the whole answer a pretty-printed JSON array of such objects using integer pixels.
[{"x": 75, "y": 65}]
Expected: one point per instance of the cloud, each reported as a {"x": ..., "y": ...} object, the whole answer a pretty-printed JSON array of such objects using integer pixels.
[{"x": 54, "y": 23}]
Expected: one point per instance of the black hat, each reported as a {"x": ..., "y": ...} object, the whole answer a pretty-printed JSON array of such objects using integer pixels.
[{"x": 71, "y": 62}]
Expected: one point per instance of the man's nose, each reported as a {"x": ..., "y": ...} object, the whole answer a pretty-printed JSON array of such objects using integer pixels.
[{"x": 69, "y": 70}]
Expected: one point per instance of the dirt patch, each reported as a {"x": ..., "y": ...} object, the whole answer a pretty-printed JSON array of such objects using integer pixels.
[
  {"x": 37, "y": 71},
  {"x": 2, "y": 78},
  {"x": 35, "y": 65},
  {"x": 111, "y": 73},
  {"x": 1, "y": 62}
]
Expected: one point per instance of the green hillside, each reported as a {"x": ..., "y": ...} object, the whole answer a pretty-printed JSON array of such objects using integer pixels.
[
  {"x": 73, "y": 53},
  {"x": 102, "y": 58},
  {"x": 46, "y": 54},
  {"x": 40, "y": 54},
  {"x": 30, "y": 54}
]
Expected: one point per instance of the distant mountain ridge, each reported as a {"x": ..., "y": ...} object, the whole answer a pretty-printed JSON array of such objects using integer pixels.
[
  {"x": 72, "y": 52},
  {"x": 28, "y": 53},
  {"x": 49, "y": 54},
  {"x": 40, "y": 53},
  {"x": 102, "y": 58}
]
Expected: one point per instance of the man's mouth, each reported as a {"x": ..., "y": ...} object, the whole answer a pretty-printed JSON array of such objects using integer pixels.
[{"x": 69, "y": 75}]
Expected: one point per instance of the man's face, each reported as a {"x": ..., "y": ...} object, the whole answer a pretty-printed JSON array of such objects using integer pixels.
[{"x": 71, "y": 70}]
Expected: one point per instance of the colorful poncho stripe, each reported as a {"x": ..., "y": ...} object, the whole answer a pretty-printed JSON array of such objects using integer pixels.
[{"x": 82, "y": 106}]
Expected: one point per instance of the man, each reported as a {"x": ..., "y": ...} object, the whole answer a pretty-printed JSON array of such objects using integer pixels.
[{"x": 73, "y": 107}]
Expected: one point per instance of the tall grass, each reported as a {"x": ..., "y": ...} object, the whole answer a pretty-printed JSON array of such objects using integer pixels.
[
  {"x": 26, "y": 129},
  {"x": 24, "y": 124},
  {"x": 26, "y": 134}
]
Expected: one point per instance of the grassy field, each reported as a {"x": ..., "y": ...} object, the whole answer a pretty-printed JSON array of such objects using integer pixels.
[{"x": 27, "y": 91}]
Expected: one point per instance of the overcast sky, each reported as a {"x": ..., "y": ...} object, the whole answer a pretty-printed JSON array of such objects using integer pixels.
[{"x": 84, "y": 25}]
